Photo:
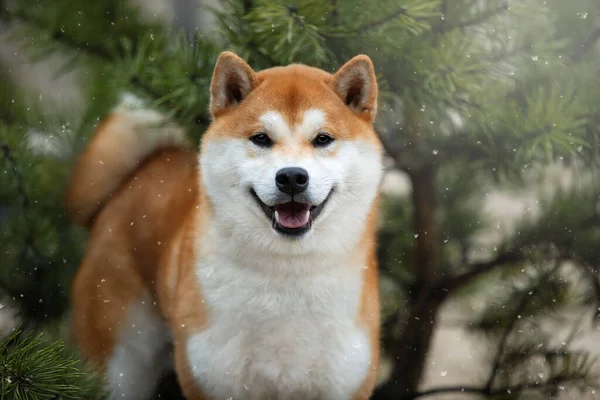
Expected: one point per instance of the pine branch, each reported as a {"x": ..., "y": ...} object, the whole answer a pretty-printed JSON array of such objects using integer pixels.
[
  {"x": 476, "y": 270},
  {"x": 393, "y": 149},
  {"x": 491, "y": 393},
  {"x": 504, "y": 55},
  {"x": 96, "y": 52},
  {"x": 402, "y": 11},
  {"x": 25, "y": 202},
  {"x": 335, "y": 15},
  {"x": 411, "y": 349},
  {"x": 444, "y": 10},
  {"x": 31, "y": 258},
  {"x": 586, "y": 45},
  {"x": 592, "y": 273},
  {"x": 504, "y": 339},
  {"x": 32, "y": 369},
  {"x": 59, "y": 36},
  {"x": 248, "y": 5},
  {"x": 16, "y": 173},
  {"x": 199, "y": 119},
  {"x": 489, "y": 390},
  {"x": 525, "y": 298},
  {"x": 4, "y": 14},
  {"x": 481, "y": 18},
  {"x": 247, "y": 8},
  {"x": 443, "y": 27}
]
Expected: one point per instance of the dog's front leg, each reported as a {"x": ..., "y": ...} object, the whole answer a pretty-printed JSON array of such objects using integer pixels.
[{"x": 189, "y": 386}]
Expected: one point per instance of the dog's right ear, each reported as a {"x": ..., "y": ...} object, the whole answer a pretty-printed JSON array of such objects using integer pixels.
[
  {"x": 232, "y": 80},
  {"x": 356, "y": 84}
]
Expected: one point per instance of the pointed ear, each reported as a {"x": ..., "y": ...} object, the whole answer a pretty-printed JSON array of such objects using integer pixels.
[
  {"x": 356, "y": 84},
  {"x": 232, "y": 80}
]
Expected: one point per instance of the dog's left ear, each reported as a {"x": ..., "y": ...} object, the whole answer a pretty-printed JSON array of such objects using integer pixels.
[
  {"x": 356, "y": 84},
  {"x": 232, "y": 80}
]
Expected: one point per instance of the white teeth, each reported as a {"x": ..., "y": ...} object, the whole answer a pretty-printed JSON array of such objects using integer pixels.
[
  {"x": 276, "y": 216},
  {"x": 307, "y": 216}
]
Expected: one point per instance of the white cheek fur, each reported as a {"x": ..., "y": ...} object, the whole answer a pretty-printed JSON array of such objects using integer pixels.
[{"x": 228, "y": 172}]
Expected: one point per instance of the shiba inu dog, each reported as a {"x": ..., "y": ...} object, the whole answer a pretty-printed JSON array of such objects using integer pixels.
[{"x": 252, "y": 261}]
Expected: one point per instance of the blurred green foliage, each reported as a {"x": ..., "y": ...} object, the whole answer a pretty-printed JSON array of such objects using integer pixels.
[{"x": 485, "y": 93}]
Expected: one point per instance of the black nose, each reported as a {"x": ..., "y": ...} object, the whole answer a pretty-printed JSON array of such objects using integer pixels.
[{"x": 292, "y": 180}]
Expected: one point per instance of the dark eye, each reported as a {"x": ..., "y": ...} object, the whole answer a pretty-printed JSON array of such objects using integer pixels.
[
  {"x": 322, "y": 140},
  {"x": 262, "y": 140}
]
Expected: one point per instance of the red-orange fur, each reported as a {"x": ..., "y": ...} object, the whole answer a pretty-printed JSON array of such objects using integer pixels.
[{"x": 145, "y": 225}]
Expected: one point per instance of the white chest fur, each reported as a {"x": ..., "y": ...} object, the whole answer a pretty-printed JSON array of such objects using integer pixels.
[{"x": 279, "y": 336}]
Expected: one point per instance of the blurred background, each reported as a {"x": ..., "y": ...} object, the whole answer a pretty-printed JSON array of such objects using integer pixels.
[{"x": 489, "y": 239}]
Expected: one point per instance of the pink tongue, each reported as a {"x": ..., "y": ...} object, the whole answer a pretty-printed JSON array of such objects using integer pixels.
[{"x": 292, "y": 215}]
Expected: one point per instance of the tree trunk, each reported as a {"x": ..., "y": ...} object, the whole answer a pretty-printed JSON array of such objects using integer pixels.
[{"x": 410, "y": 351}]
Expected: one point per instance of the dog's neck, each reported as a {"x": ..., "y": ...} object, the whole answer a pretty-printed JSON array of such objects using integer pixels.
[
  {"x": 353, "y": 246},
  {"x": 245, "y": 256},
  {"x": 219, "y": 244}
]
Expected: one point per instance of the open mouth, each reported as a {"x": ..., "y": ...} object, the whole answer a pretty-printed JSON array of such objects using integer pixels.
[{"x": 292, "y": 218}]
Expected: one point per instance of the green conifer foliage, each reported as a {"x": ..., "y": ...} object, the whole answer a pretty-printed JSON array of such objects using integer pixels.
[
  {"x": 476, "y": 96},
  {"x": 33, "y": 368}
]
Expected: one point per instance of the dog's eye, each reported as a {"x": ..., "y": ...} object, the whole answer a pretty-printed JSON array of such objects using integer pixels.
[
  {"x": 262, "y": 140},
  {"x": 322, "y": 140}
]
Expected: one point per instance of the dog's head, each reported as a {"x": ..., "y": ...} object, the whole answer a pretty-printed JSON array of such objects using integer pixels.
[{"x": 291, "y": 162}]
